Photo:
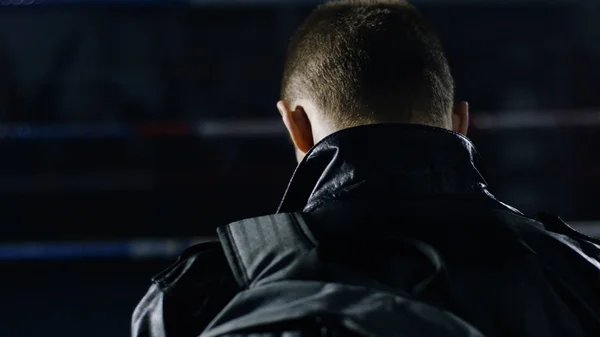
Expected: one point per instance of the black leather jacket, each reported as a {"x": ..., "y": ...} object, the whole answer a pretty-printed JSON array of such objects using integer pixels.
[{"x": 504, "y": 273}]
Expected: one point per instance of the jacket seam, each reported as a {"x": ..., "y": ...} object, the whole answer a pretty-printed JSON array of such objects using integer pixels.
[
  {"x": 301, "y": 230},
  {"x": 238, "y": 259}
]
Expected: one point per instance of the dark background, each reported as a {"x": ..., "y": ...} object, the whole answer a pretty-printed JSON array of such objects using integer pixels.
[{"x": 137, "y": 122}]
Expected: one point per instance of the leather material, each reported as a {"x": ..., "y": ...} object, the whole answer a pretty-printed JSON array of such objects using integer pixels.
[
  {"x": 268, "y": 256},
  {"x": 364, "y": 312},
  {"x": 400, "y": 159},
  {"x": 265, "y": 249},
  {"x": 365, "y": 192}
]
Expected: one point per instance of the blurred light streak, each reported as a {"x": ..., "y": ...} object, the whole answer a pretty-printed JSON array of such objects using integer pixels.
[
  {"x": 131, "y": 249},
  {"x": 142, "y": 248},
  {"x": 99, "y": 181},
  {"x": 241, "y": 128},
  {"x": 541, "y": 119},
  {"x": 272, "y": 127}
]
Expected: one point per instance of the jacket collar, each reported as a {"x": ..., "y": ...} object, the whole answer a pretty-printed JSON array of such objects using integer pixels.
[{"x": 400, "y": 159}]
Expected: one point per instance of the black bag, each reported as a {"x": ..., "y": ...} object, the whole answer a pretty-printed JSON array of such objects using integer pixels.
[{"x": 273, "y": 259}]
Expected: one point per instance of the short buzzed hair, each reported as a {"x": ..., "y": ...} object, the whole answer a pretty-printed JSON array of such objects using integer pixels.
[{"x": 369, "y": 61}]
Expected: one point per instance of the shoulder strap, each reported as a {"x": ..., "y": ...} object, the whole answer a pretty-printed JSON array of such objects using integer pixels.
[{"x": 261, "y": 249}]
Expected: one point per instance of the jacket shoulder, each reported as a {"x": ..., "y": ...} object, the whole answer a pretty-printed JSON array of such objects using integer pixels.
[
  {"x": 186, "y": 296},
  {"x": 199, "y": 262}
]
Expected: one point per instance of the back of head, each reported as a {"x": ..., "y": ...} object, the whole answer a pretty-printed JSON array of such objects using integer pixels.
[{"x": 369, "y": 61}]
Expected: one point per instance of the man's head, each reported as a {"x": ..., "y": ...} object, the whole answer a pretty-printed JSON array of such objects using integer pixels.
[{"x": 358, "y": 62}]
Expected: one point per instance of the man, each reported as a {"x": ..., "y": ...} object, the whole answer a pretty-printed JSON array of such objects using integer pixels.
[{"x": 367, "y": 99}]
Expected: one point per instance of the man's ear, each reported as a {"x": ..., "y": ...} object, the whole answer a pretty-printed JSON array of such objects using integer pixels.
[
  {"x": 460, "y": 118},
  {"x": 298, "y": 125}
]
